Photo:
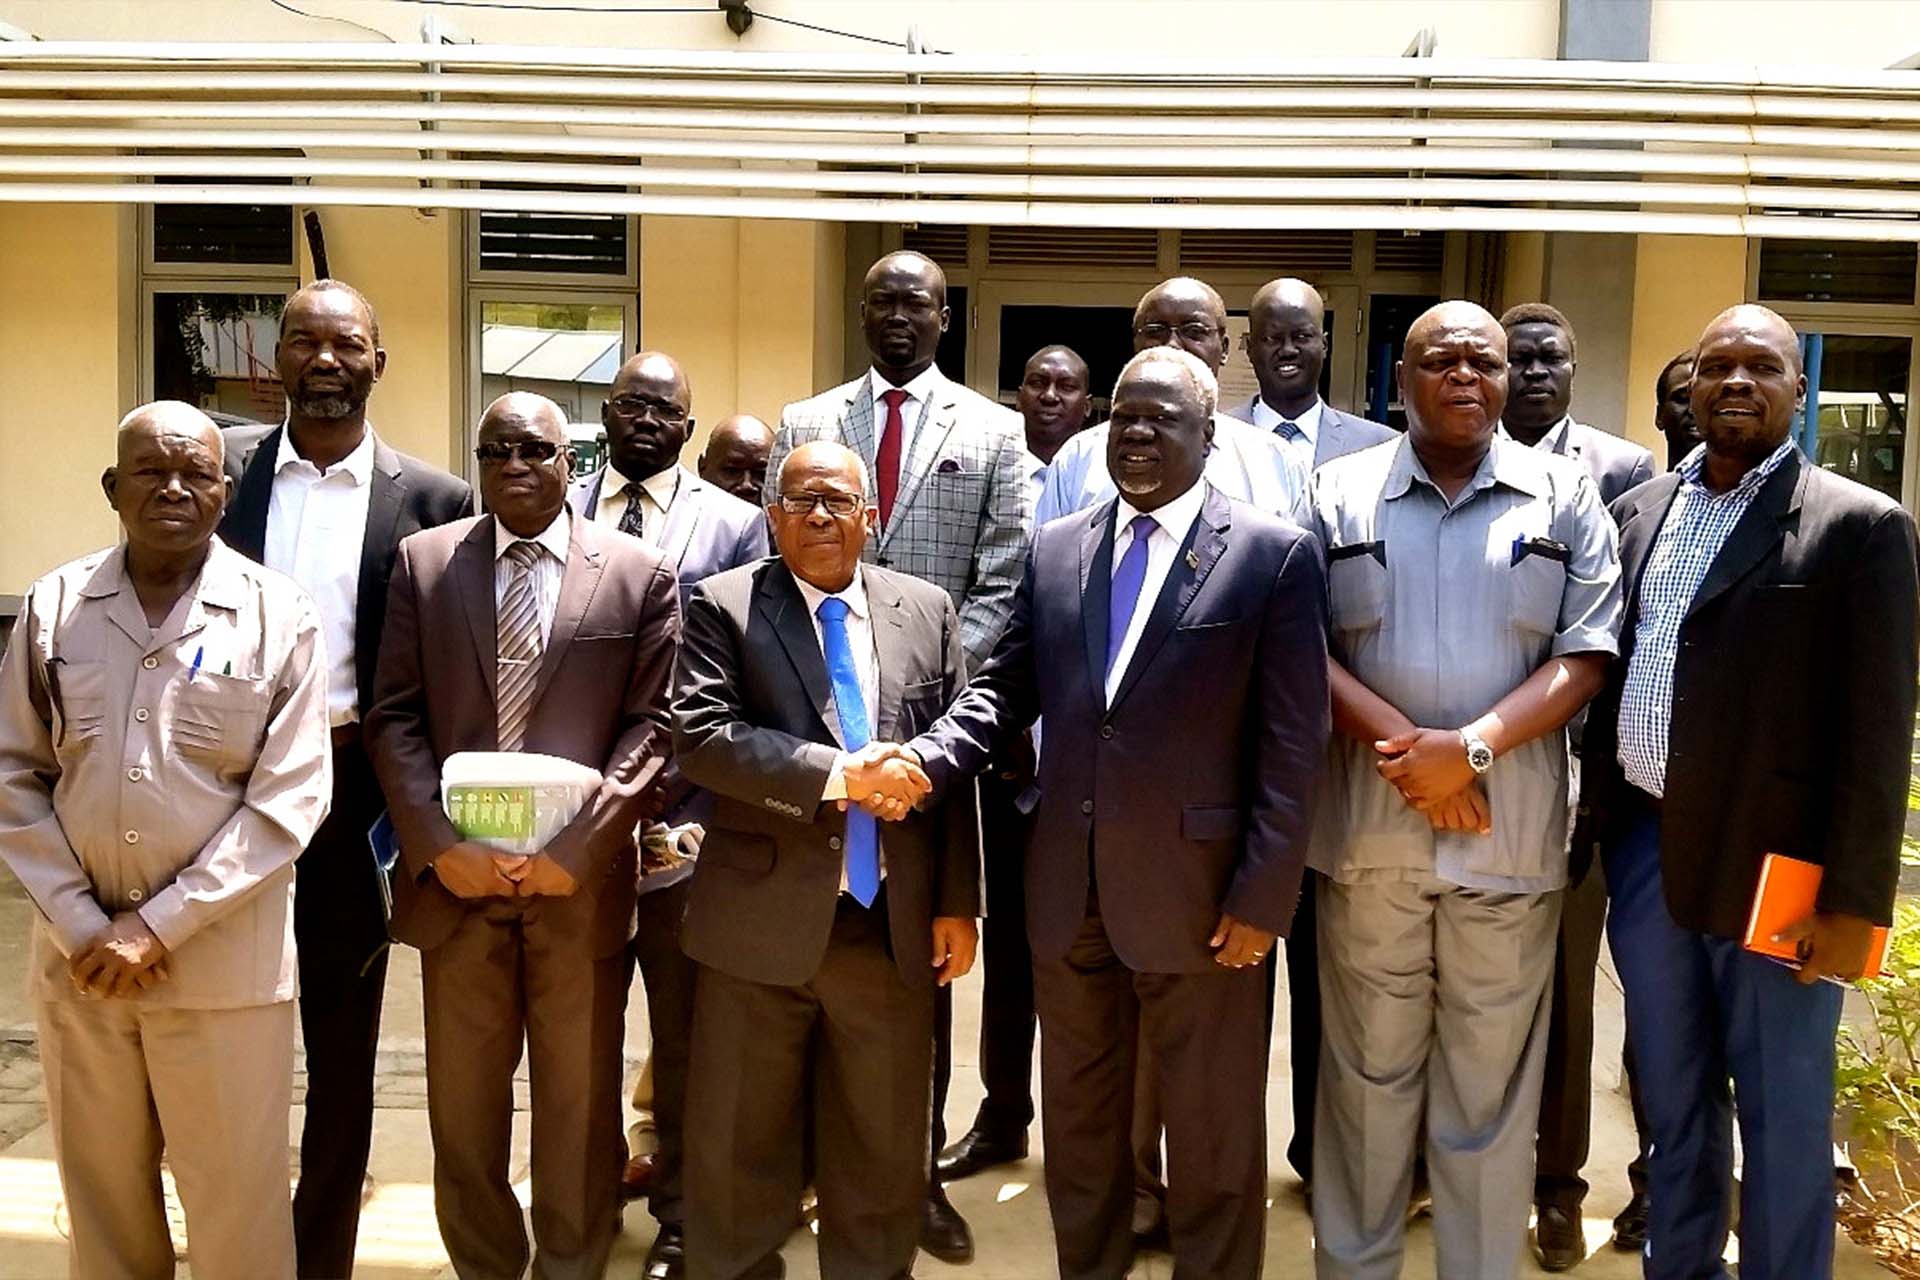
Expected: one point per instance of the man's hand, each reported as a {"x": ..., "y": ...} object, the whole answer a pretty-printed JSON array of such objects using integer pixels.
[
  {"x": 885, "y": 779},
  {"x": 121, "y": 959},
  {"x": 1238, "y": 944},
  {"x": 472, "y": 870},
  {"x": 1832, "y": 945},
  {"x": 1426, "y": 765},
  {"x": 1466, "y": 810},
  {"x": 546, "y": 878},
  {"x": 955, "y": 939}
]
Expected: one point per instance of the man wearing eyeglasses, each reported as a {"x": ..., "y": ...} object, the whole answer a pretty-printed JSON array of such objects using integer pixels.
[
  {"x": 645, "y": 492},
  {"x": 525, "y": 629}
]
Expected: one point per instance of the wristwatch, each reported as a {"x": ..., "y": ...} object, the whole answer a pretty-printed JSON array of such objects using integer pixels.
[{"x": 1479, "y": 754}]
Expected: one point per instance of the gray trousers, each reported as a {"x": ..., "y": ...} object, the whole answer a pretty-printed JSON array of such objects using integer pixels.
[{"x": 1435, "y": 1001}]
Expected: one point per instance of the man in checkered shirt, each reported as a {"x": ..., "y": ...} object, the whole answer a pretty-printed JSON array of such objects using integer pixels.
[
  {"x": 1764, "y": 704},
  {"x": 948, "y": 471}
]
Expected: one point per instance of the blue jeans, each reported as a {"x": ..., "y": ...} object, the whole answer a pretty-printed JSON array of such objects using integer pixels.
[{"x": 1704, "y": 1010}]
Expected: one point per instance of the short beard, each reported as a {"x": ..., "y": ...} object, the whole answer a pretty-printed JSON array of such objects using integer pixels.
[{"x": 328, "y": 408}]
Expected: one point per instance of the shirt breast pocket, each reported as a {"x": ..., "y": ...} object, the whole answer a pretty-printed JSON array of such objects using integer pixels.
[
  {"x": 79, "y": 696},
  {"x": 1357, "y": 585},
  {"x": 220, "y": 719},
  {"x": 1536, "y": 584}
]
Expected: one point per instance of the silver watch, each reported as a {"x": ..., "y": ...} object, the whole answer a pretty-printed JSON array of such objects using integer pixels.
[{"x": 1479, "y": 754}]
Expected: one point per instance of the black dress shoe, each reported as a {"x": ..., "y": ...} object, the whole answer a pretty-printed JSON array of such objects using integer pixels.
[
  {"x": 978, "y": 1149},
  {"x": 1630, "y": 1227},
  {"x": 1556, "y": 1234},
  {"x": 667, "y": 1259},
  {"x": 944, "y": 1233}
]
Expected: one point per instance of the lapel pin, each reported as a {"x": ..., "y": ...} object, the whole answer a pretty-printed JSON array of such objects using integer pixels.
[{"x": 1193, "y": 560}]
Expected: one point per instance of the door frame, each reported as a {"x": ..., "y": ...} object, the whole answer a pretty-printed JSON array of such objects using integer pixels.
[{"x": 1832, "y": 322}]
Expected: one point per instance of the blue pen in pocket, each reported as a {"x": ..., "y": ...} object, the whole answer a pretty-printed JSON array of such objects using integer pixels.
[{"x": 198, "y": 654}]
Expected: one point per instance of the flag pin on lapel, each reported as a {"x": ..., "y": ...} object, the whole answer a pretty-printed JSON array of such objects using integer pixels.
[{"x": 1193, "y": 561}]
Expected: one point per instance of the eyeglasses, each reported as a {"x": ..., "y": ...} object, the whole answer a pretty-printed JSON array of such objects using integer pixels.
[
  {"x": 496, "y": 453},
  {"x": 1192, "y": 331},
  {"x": 838, "y": 505},
  {"x": 635, "y": 407}
]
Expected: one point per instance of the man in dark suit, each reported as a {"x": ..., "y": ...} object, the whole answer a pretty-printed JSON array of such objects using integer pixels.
[
  {"x": 1721, "y": 737},
  {"x": 819, "y": 937},
  {"x": 1541, "y": 361},
  {"x": 645, "y": 492},
  {"x": 1167, "y": 849},
  {"x": 325, "y": 501},
  {"x": 523, "y": 630},
  {"x": 1287, "y": 346}
]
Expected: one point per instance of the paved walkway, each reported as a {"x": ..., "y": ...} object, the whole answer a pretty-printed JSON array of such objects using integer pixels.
[{"x": 1007, "y": 1207}]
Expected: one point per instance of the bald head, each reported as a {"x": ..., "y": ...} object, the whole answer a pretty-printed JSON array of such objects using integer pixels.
[
  {"x": 824, "y": 457},
  {"x": 648, "y": 414},
  {"x": 1762, "y": 323},
  {"x": 735, "y": 458},
  {"x": 525, "y": 461},
  {"x": 1287, "y": 344},
  {"x": 535, "y": 413},
  {"x": 1186, "y": 313},
  {"x": 167, "y": 484},
  {"x": 1748, "y": 384},
  {"x": 1454, "y": 317},
  {"x": 1453, "y": 381},
  {"x": 903, "y": 312},
  {"x": 822, "y": 539}
]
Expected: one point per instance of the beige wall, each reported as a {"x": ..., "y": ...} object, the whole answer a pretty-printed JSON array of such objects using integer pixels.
[
  {"x": 66, "y": 363},
  {"x": 1847, "y": 33},
  {"x": 1682, "y": 282}
]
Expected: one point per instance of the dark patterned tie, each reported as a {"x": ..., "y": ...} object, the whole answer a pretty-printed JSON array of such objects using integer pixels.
[
  {"x": 519, "y": 646},
  {"x": 634, "y": 518}
]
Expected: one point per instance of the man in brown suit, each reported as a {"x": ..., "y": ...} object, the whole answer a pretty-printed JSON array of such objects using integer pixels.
[{"x": 524, "y": 629}]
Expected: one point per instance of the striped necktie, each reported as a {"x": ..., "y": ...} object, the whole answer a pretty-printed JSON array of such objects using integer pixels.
[{"x": 519, "y": 646}]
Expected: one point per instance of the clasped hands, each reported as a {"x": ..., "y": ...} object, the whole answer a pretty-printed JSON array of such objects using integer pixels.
[
  {"x": 474, "y": 870},
  {"x": 885, "y": 779},
  {"x": 1429, "y": 768},
  {"x": 121, "y": 959}
]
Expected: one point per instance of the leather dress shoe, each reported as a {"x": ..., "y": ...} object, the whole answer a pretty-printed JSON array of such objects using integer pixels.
[
  {"x": 667, "y": 1259},
  {"x": 637, "y": 1178},
  {"x": 979, "y": 1149},
  {"x": 1630, "y": 1227},
  {"x": 943, "y": 1232},
  {"x": 1556, "y": 1234}
]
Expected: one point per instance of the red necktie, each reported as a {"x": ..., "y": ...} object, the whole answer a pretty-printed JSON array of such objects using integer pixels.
[{"x": 886, "y": 462}]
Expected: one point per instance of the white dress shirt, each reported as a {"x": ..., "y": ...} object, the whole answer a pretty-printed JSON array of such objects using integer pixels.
[
  {"x": 1172, "y": 522},
  {"x": 913, "y": 410},
  {"x": 1268, "y": 418},
  {"x": 1035, "y": 473},
  {"x": 657, "y": 493},
  {"x": 316, "y": 526},
  {"x": 866, "y": 669},
  {"x": 547, "y": 569}
]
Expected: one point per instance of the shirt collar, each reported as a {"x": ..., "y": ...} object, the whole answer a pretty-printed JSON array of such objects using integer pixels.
[
  {"x": 358, "y": 464},
  {"x": 1176, "y": 517},
  {"x": 222, "y": 582},
  {"x": 1031, "y": 465},
  {"x": 1506, "y": 462},
  {"x": 661, "y": 486},
  {"x": 854, "y": 593},
  {"x": 919, "y": 389},
  {"x": 553, "y": 539},
  {"x": 1267, "y": 418},
  {"x": 1695, "y": 462}
]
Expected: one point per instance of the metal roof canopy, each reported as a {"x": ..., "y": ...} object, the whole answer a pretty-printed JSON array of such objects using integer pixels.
[{"x": 1422, "y": 143}]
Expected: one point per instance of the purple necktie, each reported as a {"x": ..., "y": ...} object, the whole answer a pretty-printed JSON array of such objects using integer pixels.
[{"x": 1127, "y": 581}]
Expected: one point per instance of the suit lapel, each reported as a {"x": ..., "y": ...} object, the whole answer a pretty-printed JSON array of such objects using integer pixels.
[
  {"x": 472, "y": 570},
  {"x": 856, "y": 431},
  {"x": 1191, "y": 565},
  {"x": 1096, "y": 591},
  {"x": 577, "y": 584},
  {"x": 682, "y": 519},
  {"x": 1760, "y": 530},
  {"x": 387, "y": 490},
  {"x": 780, "y": 601},
  {"x": 943, "y": 410},
  {"x": 245, "y": 530},
  {"x": 891, "y": 655}
]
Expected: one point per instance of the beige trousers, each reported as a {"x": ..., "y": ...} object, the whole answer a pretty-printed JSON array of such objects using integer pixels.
[{"x": 208, "y": 1088}]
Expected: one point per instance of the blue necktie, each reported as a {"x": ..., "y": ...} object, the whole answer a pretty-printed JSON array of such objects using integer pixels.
[
  {"x": 1290, "y": 431},
  {"x": 863, "y": 833},
  {"x": 1127, "y": 581}
]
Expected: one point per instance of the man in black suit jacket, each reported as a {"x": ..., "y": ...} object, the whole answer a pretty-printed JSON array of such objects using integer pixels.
[
  {"x": 1185, "y": 698},
  {"x": 1764, "y": 704},
  {"x": 819, "y": 936},
  {"x": 323, "y": 500}
]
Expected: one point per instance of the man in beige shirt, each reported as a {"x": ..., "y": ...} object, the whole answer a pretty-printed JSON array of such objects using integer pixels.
[{"x": 163, "y": 760}]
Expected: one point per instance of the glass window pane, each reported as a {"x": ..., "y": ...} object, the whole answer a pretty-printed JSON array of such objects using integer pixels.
[
  {"x": 565, "y": 351},
  {"x": 1863, "y": 408},
  {"x": 215, "y": 350},
  {"x": 1389, "y": 316},
  {"x": 1837, "y": 271}
]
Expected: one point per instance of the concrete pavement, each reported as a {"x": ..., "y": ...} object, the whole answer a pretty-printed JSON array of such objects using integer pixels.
[{"x": 1007, "y": 1207}]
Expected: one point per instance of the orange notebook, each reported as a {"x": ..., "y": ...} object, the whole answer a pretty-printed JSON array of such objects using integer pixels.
[{"x": 1787, "y": 892}]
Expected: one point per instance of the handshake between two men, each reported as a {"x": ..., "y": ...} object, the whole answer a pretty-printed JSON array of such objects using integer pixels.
[{"x": 885, "y": 779}]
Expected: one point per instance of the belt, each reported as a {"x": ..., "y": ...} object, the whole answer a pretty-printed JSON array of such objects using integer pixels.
[{"x": 346, "y": 735}]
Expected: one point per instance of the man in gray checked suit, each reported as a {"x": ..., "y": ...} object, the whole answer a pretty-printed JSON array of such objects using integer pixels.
[{"x": 946, "y": 470}]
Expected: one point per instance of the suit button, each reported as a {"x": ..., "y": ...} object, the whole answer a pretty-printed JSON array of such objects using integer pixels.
[
  {"x": 1086, "y": 807},
  {"x": 833, "y": 842},
  {"x": 133, "y": 774},
  {"x": 150, "y": 663},
  {"x": 134, "y": 895},
  {"x": 1106, "y": 731},
  {"x": 133, "y": 837},
  {"x": 141, "y": 715}
]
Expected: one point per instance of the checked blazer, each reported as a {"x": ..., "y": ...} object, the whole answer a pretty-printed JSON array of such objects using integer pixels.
[{"x": 962, "y": 519}]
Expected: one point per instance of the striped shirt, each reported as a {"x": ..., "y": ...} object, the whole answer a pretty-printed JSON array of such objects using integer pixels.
[{"x": 1697, "y": 526}]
